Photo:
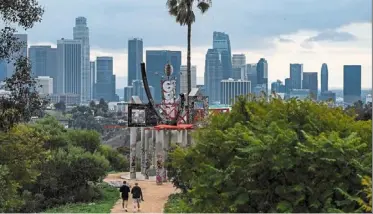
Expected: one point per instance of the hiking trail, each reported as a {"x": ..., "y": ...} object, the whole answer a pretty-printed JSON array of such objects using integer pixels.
[{"x": 155, "y": 196}]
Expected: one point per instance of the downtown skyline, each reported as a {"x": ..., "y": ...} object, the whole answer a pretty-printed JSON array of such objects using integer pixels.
[{"x": 347, "y": 41}]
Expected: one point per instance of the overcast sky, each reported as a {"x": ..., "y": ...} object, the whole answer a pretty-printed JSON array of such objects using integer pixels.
[{"x": 311, "y": 32}]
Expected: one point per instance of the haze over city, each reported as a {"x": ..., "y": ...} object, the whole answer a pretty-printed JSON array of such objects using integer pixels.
[{"x": 310, "y": 32}]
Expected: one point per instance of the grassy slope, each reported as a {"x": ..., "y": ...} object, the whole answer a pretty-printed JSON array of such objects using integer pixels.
[{"x": 110, "y": 196}]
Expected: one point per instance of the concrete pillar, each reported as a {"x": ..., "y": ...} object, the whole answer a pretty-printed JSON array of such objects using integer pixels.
[
  {"x": 143, "y": 160},
  {"x": 133, "y": 135},
  {"x": 180, "y": 137},
  {"x": 159, "y": 157},
  {"x": 147, "y": 161}
]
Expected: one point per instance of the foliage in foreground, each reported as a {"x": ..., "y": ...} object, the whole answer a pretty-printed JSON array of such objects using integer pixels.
[
  {"x": 109, "y": 196},
  {"x": 44, "y": 165},
  {"x": 293, "y": 156}
]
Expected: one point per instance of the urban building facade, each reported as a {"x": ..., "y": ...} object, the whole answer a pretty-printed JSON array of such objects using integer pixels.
[
  {"x": 21, "y": 38},
  {"x": 296, "y": 76},
  {"x": 351, "y": 84},
  {"x": 310, "y": 82},
  {"x": 222, "y": 44},
  {"x": 69, "y": 66},
  {"x": 238, "y": 62},
  {"x": 135, "y": 58},
  {"x": 44, "y": 85},
  {"x": 231, "y": 89},
  {"x": 184, "y": 78},
  {"x": 81, "y": 32},
  {"x": 324, "y": 77},
  {"x": 262, "y": 74},
  {"x": 137, "y": 89},
  {"x": 155, "y": 65},
  {"x": 105, "y": 84},
  {"x": 278, "y": 87},
  {"x": 43, "y": 61},
  {"x": 249, "y": 72},
  {"x": 213, "y": 75}
]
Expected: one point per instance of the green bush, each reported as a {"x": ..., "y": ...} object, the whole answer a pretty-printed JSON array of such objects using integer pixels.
[
  {"x": 277, "y": 156},
  {"x": 117, "y": 161},
  {"x": 176, "y": 203},
  {"x": 109, "y": 196}
]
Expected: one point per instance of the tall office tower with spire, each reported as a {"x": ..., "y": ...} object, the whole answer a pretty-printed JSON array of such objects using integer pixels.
[
  {"x": 135, "y": 58},
  {"x": 213, "y": 75},
  {"x": 222, "y": 44},
  {"x": 81, "y": 32},
  {"x": 324, "y": 77}
]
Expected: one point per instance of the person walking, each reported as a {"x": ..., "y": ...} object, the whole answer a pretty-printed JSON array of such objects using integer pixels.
[
  {"x": 136, "y": 197},
  {"x": 124, "y": 190}
]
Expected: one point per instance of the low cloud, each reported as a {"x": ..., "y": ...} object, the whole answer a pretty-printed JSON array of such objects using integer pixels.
[
  {"x": 285, "y": 40},
  {"x": 332, "y": 36}
]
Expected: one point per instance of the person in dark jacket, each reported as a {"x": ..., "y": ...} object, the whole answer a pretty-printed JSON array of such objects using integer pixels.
[
  {"x": 137, "y": 197},
  {"x": 124, "y": 190}
]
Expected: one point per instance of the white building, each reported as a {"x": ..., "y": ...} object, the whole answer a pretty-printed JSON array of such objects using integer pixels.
[
  {"x": 184, "y": 78},
  {"x": 368, "y": 99},
  {"x": 300, "y": 94},
  {"x": 81, "y": 32},
  {"x": 44, "y": 85},
  {"x": 230, "y": 89}
]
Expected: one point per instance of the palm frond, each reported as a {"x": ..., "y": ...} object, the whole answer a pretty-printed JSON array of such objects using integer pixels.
[{"x": 204, "y": 5}]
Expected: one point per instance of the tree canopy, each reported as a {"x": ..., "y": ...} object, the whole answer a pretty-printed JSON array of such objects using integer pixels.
[{"x": 277, "y": 156}]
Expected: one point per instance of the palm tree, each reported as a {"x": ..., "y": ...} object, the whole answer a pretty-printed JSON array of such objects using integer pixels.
[{"x": 183, "y": 12}]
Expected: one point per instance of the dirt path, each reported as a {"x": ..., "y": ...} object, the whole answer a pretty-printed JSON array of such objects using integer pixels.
[{"x": 155, "y": 196}]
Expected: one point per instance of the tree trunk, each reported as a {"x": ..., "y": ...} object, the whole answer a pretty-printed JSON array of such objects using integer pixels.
[{"x": 189, "y": 69}]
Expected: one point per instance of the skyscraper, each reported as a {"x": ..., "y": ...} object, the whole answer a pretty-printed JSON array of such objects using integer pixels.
[
  {"x": 324, "y": 77},
  {"x": 3, "y": 72},
  {"x": 222, "y": 44},
  {"x": 310, "y": 82},
  {"x": 22, "y": 38},
  {"x": 278, "y": 87},
  {"x": 44, "y": 62},
  {"x": 213, "y": 75},
  {"x": 69, "y": 66},
  {"x": 93, "y": 77},
  {"x": 81, "y": 32},
  {"x": 351, "y": 83},
  {"x": 135, "y": 58},
  {"x": 296, "y": 76},
  {"x": 184, "y": 78},
  {"x": 238, "y": 61},
  {"x": 262, "y": 74},
  {"x": 249, "y": 72},
  {"x": 155, "y": 64},
  {"x": 105, "y": 85}
]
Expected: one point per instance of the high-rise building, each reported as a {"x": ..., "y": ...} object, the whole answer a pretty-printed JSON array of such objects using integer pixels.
[
  {"x": 22, "y": 38},
  {"x": 238, "y": 61},
  {"x": 310, "y": 82},
  {"x": 213, "y": 75},
  {"x": 249, "y": 72},
  {"x": 222, "y": 44},
  {"x": 287, "y": 85},
  {"x": 69, "y": 66},
  {"x": 81, "y": 32},
  {"x": 135, "y": 58},
  {"x": 105, "y": 85},
  {"x": 327, "y": 96},
  {"x": 296, "y": 75},
  {"x": 44, "y": 62},
  {"x": 92, "y": 67},
  {"x": 137, "y": 89},
  {"x": 278, "y": 87},
  {"x": 262, "y": 74},
  {"x": 351, "y": 84},
  {"x": 45, "y": 85},
  {"x": 231, "y": 89},
  {"x": 3, "y": 73},
  {"x": 155, "y": 65},
  {"x": 324, "y": 77},
  {"x": 184, "y": 78}
]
